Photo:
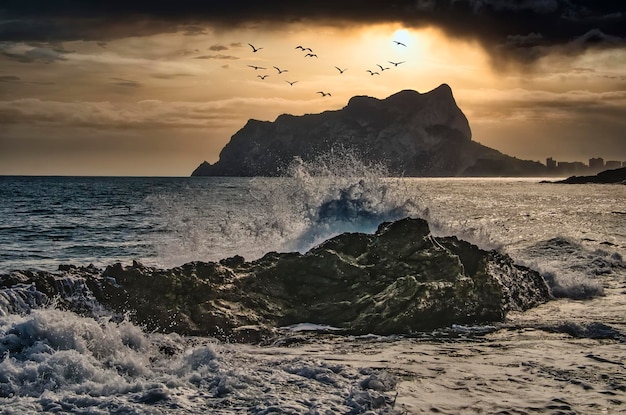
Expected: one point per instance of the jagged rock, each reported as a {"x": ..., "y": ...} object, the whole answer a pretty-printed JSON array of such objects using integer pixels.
[
  {"x": 399, "y": 280},
  {"x": 410, "y": 133}
]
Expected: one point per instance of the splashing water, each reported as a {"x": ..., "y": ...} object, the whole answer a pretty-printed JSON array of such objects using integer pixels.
[{"x": 319, "y": 199}]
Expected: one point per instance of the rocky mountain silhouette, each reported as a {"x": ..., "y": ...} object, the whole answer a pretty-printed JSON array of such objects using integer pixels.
[{"x": 410, "y": 133}]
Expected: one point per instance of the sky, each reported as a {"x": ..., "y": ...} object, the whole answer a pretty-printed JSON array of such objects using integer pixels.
[{"x": 153, "y": 88}]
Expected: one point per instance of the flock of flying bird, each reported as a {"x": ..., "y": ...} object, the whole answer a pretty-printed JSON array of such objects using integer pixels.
[{"x": 310, "y": 54}]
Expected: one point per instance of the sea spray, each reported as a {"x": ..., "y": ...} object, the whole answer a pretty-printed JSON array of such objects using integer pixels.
[
  {"x": 331, "y": 194},
  {"x": 334, "y": 193},
  {"x": 571, "y": 269}
]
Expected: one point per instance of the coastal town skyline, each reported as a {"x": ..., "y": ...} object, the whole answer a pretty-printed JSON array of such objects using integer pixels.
[{"x": 593, "y": 166}]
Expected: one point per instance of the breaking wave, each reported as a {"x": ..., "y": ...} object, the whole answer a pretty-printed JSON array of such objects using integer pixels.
[
  {"x": 319, "y": 199},
  {"x": 571, "y": 270}
]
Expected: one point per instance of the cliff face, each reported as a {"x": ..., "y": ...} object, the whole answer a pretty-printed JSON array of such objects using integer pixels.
[{"x": 413, "y": 134}]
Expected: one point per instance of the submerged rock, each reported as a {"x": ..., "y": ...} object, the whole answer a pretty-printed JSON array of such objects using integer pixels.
[{"x": 399, "y": 280}]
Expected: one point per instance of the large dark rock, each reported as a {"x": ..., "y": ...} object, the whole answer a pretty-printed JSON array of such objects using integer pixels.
[
  {"x": 399, "y": 280},
  {"x": 615, "y": 176},
  {"x": 410, "y": 133}
]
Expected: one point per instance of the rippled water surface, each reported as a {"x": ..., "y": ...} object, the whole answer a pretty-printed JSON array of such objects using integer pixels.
[
  {"x": 567, "y": 356},
  {"x": 45, "y": 221}
]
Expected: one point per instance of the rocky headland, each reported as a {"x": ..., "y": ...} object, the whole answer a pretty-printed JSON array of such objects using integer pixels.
[
  {"x": 615, "y": 176},
  {"x": 399, "y": 280},
  {"x": 410, "y": 133}
]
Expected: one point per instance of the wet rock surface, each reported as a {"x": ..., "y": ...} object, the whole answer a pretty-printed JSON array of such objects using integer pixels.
[{"x": 399, "y": 280}]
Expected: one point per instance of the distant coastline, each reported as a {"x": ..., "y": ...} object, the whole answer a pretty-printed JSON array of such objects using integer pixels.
[{"x": 613, "y": 176}]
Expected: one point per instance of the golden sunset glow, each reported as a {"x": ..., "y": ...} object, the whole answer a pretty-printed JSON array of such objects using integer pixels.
[{"x": 161, "y": 102}]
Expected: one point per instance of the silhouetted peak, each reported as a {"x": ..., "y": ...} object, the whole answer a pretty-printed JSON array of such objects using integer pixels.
[
  {"x": 405, "y": 94},
  {"x": 442, "y": 89},
  {"x": 359, "y": 100},
  {"x": 405, "y": 98},
  {"x": 409, "y": 98}
]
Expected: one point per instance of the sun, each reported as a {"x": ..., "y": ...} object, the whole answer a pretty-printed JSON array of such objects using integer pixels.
[{"x": 403, "y": 36}]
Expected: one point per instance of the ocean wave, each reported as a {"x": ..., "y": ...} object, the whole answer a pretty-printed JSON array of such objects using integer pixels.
[{"x": 571, "y": 270}]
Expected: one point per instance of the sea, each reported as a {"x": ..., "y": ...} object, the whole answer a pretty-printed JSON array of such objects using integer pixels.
[{"x": 567, "y": 356}]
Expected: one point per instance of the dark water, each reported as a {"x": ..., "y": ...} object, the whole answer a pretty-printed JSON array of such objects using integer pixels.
[{"x": 46, "y": 221}]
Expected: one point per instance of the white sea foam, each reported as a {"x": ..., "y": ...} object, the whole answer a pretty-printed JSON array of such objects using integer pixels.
[
  {"x": 571, "y": 269},
  {"x": 21, "y": 298},
  {"x": 56, "y": 361}
]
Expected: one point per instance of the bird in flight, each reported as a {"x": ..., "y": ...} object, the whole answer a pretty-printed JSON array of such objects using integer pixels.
[
  {"x": 291, "y": 83},
  {"x": 311, "y": 55},
  {"x": 341, "y": 70},
  {"x": 381, "y": 67},
  {"x": 262, "y": 76},
  {"x": 395, "y": 63},
  {"x": 253, "y": 48},
  {"x": 324, "y": 93},
  {"x": 399, "y": 43},
  {"x": 372, "y": 73},
  {"x": 300, "y": 47},
  {"x": 256, "y": 67},
  {"x": 280, "y": 70}
]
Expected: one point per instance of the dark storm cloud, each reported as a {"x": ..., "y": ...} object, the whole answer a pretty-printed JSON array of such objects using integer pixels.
[
  {"x": 537, "y": 6},
  {"x": 33, "y": 54},
  {"x": 522, "y": 29}
]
